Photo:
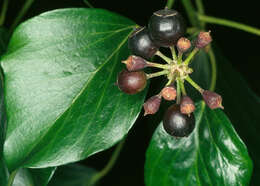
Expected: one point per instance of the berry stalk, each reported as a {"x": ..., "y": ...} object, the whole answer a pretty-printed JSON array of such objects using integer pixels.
[
  {"x": 191, "y": 55},
  {"x": 157, "y": 74},
  {"x": 194, "y": 84},
  {"x": 165, "y": 58}
]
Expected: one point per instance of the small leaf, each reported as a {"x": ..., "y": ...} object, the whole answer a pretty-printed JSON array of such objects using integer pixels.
[
  {"x": 212, "y": 155},
  {"x": 72, "y": 175},
  {"x": 42, "y": 176},
  {"x": 62, "y": 105}
]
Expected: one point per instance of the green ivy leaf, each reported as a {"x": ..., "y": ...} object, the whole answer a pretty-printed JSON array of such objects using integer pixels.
[
  {"x": 72, "y": 175},
  {"x": 42, "y": 176},
  {"x": 212, "y": 155},
  {"x": 241, "y": 104},
  {"x": 23, "y": 178},
  {"x": 60, "y": 72}
]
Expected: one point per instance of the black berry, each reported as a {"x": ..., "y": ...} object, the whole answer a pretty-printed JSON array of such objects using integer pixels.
[
  {"x": 140, "y": 43},
  {"x": 177, "y": 124},
  {"x": 166, "y": 27},
  {"x": 131, "y": 82}
]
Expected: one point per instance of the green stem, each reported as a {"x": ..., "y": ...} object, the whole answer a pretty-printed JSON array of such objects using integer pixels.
[
  {"x": 3, "y": 12},
  {"x": 179, "y": 57},
  {"x": 232, "y": 24},
  {"x": 192, "y": 30},
  {"x": 170, "y": 3},
  {"x": 157, "y": 65},
  {"x": 109, "y": 166},
  {"x": 200, "y": 6},
  {"x": 195, "y": 85},
  {"x": 191, "y": 13},
  {"x": 20, "y": 15},
  {"x": 165, "y": 58},
  {"x": 174, "y": 57},
  {"x": 156, "y": 74},
  {"x": 191, "y": 55},
  {"x": 11, "y": 178},
  {"x": 88, "y": 4},
  {"x": 212, "y": 59},
  {"x": 183, "y": 90},
  {"x": 178, "y": 91}
]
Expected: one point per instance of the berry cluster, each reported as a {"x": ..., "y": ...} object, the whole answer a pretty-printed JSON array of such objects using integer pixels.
[{"x": 166, "y": 29}]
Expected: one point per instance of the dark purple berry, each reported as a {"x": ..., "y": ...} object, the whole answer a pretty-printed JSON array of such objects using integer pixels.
[
  {"x": 203, "y": 39},
  {"x": 212, "y": 99},
  {"x": 166, "y": 27},
  {"x": 152, "y": 105},
  {"x": 131, "y": 82},
  {"x": 187, "y": 105},
  {"x": 169, "y": 93},
  {"x": 134, "y": 63},
  {"x": 140, "y": 43},
  {"x": 177, "y": 124}
]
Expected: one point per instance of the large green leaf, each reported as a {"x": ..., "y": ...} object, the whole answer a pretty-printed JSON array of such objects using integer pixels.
[
  {"x": 60, "y": 72},
  {"x": 241, "y": 104},
  {"x": 23, "y": 178},
  {"x": 72, "y": 175},
  {"x": 42, "y": 176},
  {"x": 212, "y": 155}
]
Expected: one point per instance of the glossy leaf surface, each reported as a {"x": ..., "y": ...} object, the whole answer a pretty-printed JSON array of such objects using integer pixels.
[
  {"x": 72, "y": 175},
  {"x": 23, "y": 178},
  {"x": 60, "y": 72},
  {"x": 212, "y": 155}
]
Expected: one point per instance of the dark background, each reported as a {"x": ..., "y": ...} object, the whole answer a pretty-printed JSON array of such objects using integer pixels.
[{"x": 239, "y": 47}]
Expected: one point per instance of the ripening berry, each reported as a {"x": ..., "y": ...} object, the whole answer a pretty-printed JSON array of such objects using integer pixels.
[
  {"x": 140, "y": 43},
  {"x": 134, "y": 63},
  {"x": 203, "y": 39},
  {"x": 187, "y": 105},
  {"x": 169, "y": 93},
  {"x": 166, "y": 27},
  {"x": 151, "y": 106},
  {"x": 177, "y": 124},
  {"x": 131, "y": 82},
  {"x": 212, "y": 99},
  {"x": 183, "y": 44}
]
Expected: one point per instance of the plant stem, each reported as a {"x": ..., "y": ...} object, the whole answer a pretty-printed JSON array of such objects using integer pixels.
[
  {"x": 170, "y": 3},
  {"x": 88, "y": 4},
  {"x": 11, "y": 178},
  {"x": 3, "y": 12},
  {"x": 178, "y": 91},
  {"x": 109, "y": 166},
  {"x": 183, "y": 88},
  {"x": 213, "y": 63},
  {"x": 200, "y": 6},
  {"x": 179, "y": 57},
  {"x": 195, "y": 85},
  {"x": 192, "y": 30},
  {"x": 20, "y": 15},
  {"x": 232, "y": 24},
  {"x": 174, "y": 57},
  {"x": 157, "y": 65},
  {"x": 191, "y": 13},
  {"x": 156, "y": 74},
  {"x": 165, "y": 58},
  {"x": 201, "y": 10},
  {"x": 191, "y": 55}
]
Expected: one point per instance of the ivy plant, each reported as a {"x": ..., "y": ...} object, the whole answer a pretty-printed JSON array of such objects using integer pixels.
[{"x": 66, "y": 96}]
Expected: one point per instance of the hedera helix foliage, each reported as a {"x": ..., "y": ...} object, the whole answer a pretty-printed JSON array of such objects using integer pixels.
[{"x": 61, "y": 103}]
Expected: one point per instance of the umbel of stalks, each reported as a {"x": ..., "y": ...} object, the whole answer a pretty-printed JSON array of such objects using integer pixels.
[
  {"x": 187, "y": 105},
  {"x": 134, "y": 63},
  {"x": 169, "y": 93},
  {"x": 212, "y": 99},
  {"x": 151, "y": 106}
]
